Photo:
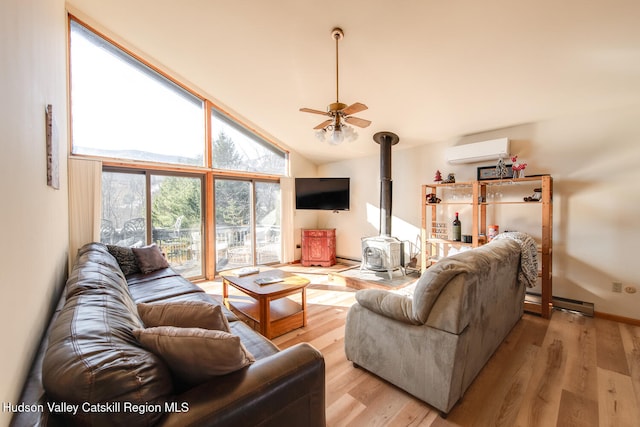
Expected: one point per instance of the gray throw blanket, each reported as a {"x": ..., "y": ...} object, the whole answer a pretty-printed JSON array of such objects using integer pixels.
[{"x": 528, "y": 273}]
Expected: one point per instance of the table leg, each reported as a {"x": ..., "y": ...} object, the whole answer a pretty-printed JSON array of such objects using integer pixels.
[
  {"x": 304, "y": 306},
  {"x": 225, "y": 293},
  {"x": 265, "y": 317}
]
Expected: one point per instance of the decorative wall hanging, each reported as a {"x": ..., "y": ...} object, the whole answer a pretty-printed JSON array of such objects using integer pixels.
[{"x": 53, "y": 165}]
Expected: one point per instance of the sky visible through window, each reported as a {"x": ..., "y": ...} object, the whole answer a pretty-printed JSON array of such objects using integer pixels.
[
  {"x": 122, "y": 106},
  {"x": 248, "y": 145}
]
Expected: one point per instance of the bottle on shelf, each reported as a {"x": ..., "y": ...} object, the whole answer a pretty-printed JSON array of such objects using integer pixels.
[{"x": 457, "y": 229}]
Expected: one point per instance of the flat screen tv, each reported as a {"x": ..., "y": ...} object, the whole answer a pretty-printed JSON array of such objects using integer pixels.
[{"x": 322, "y": 194}]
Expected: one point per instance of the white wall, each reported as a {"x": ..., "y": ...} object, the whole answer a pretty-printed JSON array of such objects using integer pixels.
[
  {"x": 301, "y": 167},
  {"x": 363, "y": 218},
  {"x": 593, "y": 159},
  {"x": 34, "y": 217}
]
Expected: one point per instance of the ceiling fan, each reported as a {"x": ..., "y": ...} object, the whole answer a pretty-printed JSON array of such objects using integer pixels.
[{"x": 335, "y": 127}]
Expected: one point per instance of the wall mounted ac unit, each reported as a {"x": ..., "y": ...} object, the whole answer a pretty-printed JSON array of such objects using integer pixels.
[{"x": 478, "y": 151}]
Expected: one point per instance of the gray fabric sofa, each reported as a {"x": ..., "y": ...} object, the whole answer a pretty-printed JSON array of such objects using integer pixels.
[
  {"x": 90, "y": 370},
  {"x": 433, "y": 342}
]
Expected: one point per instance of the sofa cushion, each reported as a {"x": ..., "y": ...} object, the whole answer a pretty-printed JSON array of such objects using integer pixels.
[
  {"x": 150, "y": 258},
  {"x": 196, "y": 355},
  {"x": 431, "y": 283},
  {"x": 184, "y": 314},
  {"x": 168, "y": 286},
  {"x": 126, "y": 259},
  {"x": 417, "y": 308},
  {"x": 160, "y": 285},
  {"x": 452, "y": 311},
  {"x": 257, "y": 344},
  {"x": 388, "y": 304},
  {"x": 99, "y": 272}
]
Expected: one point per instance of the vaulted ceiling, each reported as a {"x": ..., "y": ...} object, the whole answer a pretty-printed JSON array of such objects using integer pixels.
[{"x": 429, "y": 70}]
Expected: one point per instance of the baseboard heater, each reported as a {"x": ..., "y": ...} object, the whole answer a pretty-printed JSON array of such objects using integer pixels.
[
  {"x": 586, "y": 308},
  {"x": 349, "y": 260}
]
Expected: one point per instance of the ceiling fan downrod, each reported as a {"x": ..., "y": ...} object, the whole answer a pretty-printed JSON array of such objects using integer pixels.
[{"x": 337, "y": 35}]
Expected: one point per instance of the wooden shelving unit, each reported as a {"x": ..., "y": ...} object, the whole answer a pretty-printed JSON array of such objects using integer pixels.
[{"x": 476, "y": 196}]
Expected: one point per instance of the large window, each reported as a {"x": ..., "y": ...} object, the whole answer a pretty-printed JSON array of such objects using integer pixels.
[
  {"x": 124, "y": 109},
  {"x": 235, "y": 148},
  {"x": 175, "y": 215},
  {"x": 121, "y": 108}
]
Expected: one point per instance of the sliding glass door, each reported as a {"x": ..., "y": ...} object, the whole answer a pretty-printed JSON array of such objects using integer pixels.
[
  {"x": 234, "y": 241},
  {"x": 144, "y": 207},
  {"x": 124, "y": 209},
  {"x": 267, "y": 214},
  {"x": 247, "y": 217},
  {"x": 176, "y": 218}
]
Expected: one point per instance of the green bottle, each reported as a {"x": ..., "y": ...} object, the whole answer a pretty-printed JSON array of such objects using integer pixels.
[{"x": 457, "y": 229}]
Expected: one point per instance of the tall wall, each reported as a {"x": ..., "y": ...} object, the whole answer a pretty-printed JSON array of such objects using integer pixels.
[
  {"x": 301, "y": 167},
  {"x": 593, "y": 159},
  {"x": 34, "y": 216}
]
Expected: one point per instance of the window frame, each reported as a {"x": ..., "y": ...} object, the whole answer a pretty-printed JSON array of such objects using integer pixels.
[{"x": 208, "y": 107}]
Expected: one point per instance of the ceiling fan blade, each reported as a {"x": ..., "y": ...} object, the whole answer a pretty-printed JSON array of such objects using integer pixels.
[
  {"x": 311, "y": 110},
  {"x": 324, "y": 124},
  {"x": 358, "y": 122},
  {"x": 354, "y": 108}
]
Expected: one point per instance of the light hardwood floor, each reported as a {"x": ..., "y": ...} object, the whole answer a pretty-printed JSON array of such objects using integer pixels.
[{"x": 571, "y": 370}]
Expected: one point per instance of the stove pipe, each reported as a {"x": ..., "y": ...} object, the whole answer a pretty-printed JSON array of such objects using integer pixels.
[{"x": 386, "y": 140}]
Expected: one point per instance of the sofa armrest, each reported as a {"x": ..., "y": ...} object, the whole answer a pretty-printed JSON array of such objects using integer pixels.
[
  {"x": 287, "y": 388},
  {"x": 387, "y": 304}
]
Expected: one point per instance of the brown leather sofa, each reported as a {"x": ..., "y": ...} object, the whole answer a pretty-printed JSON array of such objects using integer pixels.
[{"x": 89, "y": 357}]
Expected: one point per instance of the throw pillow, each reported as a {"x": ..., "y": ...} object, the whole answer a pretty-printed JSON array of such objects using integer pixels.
[
  {"x": 195, "y": 355},
  {"x": 150, "y": 258},
  {"x": 184, "y": 314},
  {"x": 126, "y": 259}
]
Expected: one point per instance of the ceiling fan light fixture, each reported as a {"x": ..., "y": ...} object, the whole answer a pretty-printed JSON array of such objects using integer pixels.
[
  {"x": 337, "y": 137},
  {"x": 336, "y": 134},
  {"x": 350, "y": 134},
  {"x": 335, "y": 130}
]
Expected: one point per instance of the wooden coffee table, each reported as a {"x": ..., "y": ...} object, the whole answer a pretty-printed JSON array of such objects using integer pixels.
[{"x": 268, "y": 305}]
